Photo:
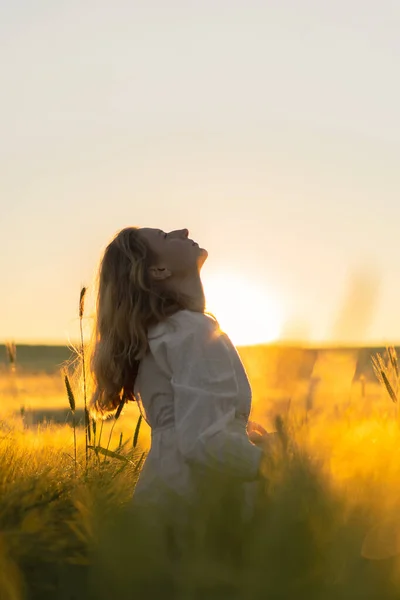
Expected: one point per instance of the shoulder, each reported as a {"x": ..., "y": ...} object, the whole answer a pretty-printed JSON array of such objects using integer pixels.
[
  {"x": 184, "y": 323},
  {"x": 188, "y": 341}
]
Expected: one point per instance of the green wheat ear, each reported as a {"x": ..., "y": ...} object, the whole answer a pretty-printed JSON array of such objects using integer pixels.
[
  {"x": 136, "y": 434},
  {"x": 388, "y": 386},
  {"x": 393, "y": 359},
  {"x": 82, "y": 301},
  {"x": 70, "y": 393},
  {"x": 119, "y": 409},
  {"x": 382, "y": 372}
]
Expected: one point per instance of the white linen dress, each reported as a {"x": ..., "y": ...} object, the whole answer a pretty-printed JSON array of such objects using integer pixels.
[{"x": 193, "y": 391}]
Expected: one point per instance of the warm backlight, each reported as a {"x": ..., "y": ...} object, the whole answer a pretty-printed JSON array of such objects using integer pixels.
[{"x": 245, "y": 311}]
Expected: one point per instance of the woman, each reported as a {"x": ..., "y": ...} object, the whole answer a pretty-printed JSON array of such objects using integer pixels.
[{"x": 153, "y": 343}]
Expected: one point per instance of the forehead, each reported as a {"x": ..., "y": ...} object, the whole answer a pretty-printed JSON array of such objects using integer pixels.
[
  {"x": 153, "y": 237},
  {"x": 150, "y": 232}
]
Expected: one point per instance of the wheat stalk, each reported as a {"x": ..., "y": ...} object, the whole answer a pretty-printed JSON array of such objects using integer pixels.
[
  {"x": 87, "y": 416},
  {"x": 387, "y": 373},
  {"x": 116, "y": 417},
  {"x": 72, "y": 405}
]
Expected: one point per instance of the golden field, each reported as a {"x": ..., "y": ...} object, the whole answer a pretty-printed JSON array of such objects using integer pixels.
[{"x": 328, "y": 526}]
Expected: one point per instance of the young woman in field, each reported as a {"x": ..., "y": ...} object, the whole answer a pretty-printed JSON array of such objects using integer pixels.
[{"x": 153, "y": 343}]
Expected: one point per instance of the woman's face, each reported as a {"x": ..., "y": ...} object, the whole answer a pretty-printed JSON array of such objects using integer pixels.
[{"x": 175, "y": 251}]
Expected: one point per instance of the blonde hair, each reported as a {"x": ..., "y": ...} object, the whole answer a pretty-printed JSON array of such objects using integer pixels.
[{"x": 128, "y": 302}]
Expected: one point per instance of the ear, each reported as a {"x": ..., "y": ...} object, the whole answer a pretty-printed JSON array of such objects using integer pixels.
[{"x": 159, "y": 273}]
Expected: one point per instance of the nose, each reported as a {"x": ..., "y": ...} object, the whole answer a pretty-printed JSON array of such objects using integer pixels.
[{"x": 180, "y": 233}]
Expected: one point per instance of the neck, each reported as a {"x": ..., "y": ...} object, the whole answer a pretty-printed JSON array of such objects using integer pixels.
[{"x": 191, "y": 285}]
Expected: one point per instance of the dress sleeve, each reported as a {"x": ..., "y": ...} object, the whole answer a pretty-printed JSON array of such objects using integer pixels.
[{"x": 205, "y": 390}]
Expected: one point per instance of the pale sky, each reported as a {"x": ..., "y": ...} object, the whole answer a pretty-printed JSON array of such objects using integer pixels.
[{"x": 270, "y": 129}]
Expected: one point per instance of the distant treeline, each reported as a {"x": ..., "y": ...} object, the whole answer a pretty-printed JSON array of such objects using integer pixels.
[{"x": 50, "y": 359}]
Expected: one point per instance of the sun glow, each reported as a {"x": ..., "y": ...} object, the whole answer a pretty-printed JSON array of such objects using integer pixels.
[{"x": 245, "y": 311}]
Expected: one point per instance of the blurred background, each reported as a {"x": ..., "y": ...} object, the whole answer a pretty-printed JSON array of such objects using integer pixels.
[{"x": 269, "y": 129}]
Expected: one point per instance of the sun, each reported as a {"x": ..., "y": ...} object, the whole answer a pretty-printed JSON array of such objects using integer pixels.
[{"x": 245, "y": 311}]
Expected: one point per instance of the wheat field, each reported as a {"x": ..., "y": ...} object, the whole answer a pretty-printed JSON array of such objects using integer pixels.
[{"x": 327, "y": 525}]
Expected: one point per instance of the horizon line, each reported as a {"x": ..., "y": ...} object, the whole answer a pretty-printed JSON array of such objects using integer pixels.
[{"x": 279, "y": 342}]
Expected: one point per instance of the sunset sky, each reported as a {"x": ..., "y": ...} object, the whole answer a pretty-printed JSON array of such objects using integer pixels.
[{"x": 270, "y": 129}]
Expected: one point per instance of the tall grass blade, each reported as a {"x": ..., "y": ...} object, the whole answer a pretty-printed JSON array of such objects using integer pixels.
[
  {"x": 116, "y": 417},
  {"x": 94, "y": 427},
  {"x": 110, "y": 453},
  {"x": 136, "y": 435},
  {"x": 139, "y": 463}
]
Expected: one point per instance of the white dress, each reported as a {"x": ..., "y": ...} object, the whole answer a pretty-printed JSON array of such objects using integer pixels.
[{"x": 194, "y": 393}]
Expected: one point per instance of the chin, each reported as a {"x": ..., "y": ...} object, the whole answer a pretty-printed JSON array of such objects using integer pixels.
[{"x": 203, "y": 255}]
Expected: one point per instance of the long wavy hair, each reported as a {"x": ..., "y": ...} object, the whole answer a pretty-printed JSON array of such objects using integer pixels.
[{"x": 128, "y": 302}]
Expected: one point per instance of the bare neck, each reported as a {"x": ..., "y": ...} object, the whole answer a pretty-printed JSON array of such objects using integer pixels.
[{"x": 192, "y": 286}]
